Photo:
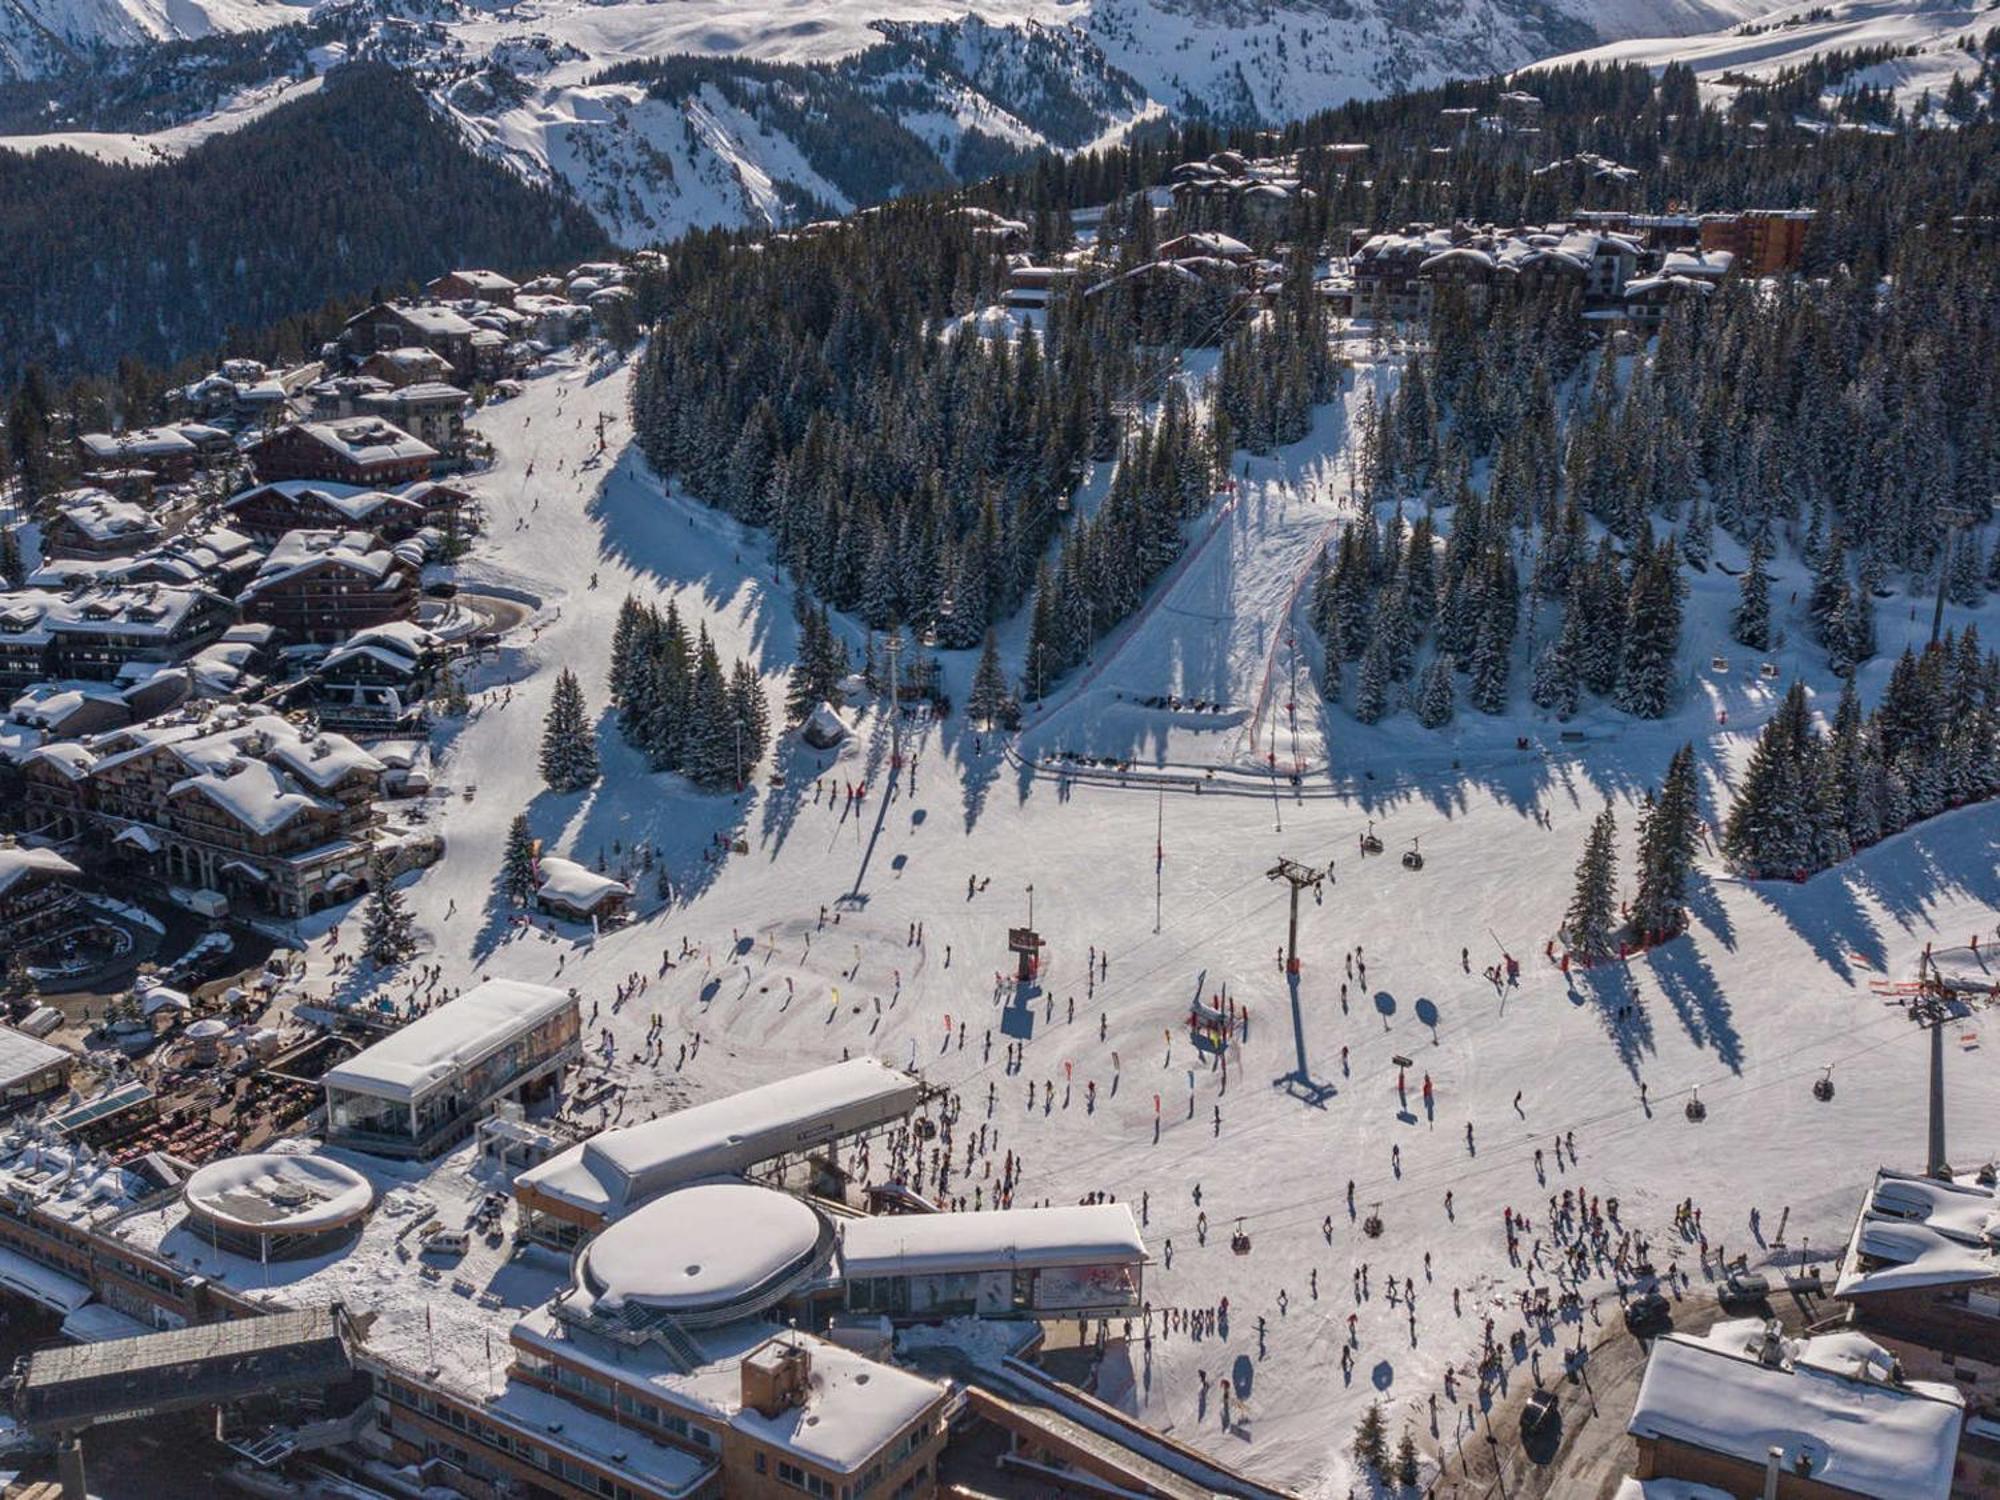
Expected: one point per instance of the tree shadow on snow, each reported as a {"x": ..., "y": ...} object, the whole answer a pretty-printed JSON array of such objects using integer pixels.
[
  {"x": 1606, "y": 988},
  {"x": 1705, "y": 905},
  {"x": 1825, "y": 913},
  {"x": 1690, "y": 986},
  {"x": 676, "y": 543}
]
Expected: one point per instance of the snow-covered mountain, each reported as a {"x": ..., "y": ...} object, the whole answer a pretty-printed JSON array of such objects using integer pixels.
[
  {"x": 1924, "y": 35},
  {"x": 40, "y": 36},
  {"x": 664, "y": 115}
]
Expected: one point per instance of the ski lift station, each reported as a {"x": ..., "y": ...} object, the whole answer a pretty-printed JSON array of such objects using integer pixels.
[
  {"x": 589, "y": 1185},
  {"x": 425, "y": 1087}
]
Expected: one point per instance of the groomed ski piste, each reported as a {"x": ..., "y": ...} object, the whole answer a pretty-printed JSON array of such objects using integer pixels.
[{"x": 1775, "y": 983}]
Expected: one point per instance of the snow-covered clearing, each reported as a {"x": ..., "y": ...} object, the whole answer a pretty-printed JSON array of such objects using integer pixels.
[
  {"x": 1772, "y": 986},
  {"x": 128, "y": 149}
]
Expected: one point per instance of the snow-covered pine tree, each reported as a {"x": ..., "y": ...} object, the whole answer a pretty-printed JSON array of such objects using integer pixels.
[
  {"x": 517, "y": 864},
  {"x": 1652, "y": 636},
  {"x": 1593, "y": 909},
  {"x": 750, "y": 715},
  {"x": 624, "y": 647},
  {"x": 388, "y": 933},
  {"x": 1436, "y": 700},
  {"x": 988, "y": 702},
  {"x": 709, "y": 760},
  {"x": 802, "y": 685},
  {"x": 1751, "y": 624},
  {"x": 1829, "y": 593},
  {"x": 1371, "y": 680},
  {"x": 1769, "y": 828},
  {"x": 1698, "y": 539},
  {"x": 1555, "y": 686},
  {"x": 1492, "y": 658},
  {"x": 569, "y": 750},
  {"x": 1668, "y": 828}
]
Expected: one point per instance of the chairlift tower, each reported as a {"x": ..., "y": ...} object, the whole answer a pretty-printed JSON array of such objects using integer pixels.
[
  {"x": 1931, "y": 1008},
  {"x": 1299, "y": 877}
]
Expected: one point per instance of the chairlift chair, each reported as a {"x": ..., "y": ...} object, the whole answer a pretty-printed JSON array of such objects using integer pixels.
[
  {"x": 1696, "y": 1110},
  {"x": 1370, "y": 842},
  {"x": 1239, "y": 1242},
  {"x": 1718, "y": 663},
  {"x": 1413, "y": 857},
  {"x": 1768, "y": 671},
  {"x": 1822, "y": 1088}
]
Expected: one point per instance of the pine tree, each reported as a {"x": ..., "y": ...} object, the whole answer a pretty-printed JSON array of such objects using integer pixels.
[
  {"x": 1371, "y": 680},
  {"x": 388, "y": 931},
  {"x": 1668, "y": 829},
  {"x": 569, "y": 748},
  {"x": 12, "y": 569},
  {"x": 750, "y": 718},
  {"x": 1555, "y": 686},
  {"x": 989, "y": 703},
  {"x": 1435, "y": 697},
  {"x": 1769, "y": 828},
  {"x": 1593, "y": 909},
  {"x": 710, "y": 758},
  {"x": 517, "y": 865},
  {"x": 1652, "y": 637},
  {"x": 1751, "y": 624},
  {"x": 1408, "y": 1470},
  {"x": 1371, "y": 1445}
]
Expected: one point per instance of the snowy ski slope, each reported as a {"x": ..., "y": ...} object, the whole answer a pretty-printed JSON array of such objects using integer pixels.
[{"x": 1772, "y": 986}]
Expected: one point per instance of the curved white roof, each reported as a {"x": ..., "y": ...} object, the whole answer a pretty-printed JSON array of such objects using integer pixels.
[
  {"x": 616, "y": 1171},
  {"x": 1091, "y": 1234},
  {"x": 699, "y": 1246},
  {"x": 276, "y": 1193}
]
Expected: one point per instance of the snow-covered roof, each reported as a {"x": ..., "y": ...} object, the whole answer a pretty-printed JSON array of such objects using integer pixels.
[
  {"x": 1091, "y": 1234},
  {"x": 23, "y": 1056},
  {"x": 616, "y": 1171},
  {"x": 356, "y": 502},
  {"x": 163, "y": 997},
  {"x": 698, "y": 1247},
  {"x": 325, "y": 760},
  {"x": 103, "y": 517},
  {"x": 1917, "y": 1231},
  {"x": 139, "y": 442},
  {"x": 367, "y": 440},
  {"x": 255, "y": 794},
  {"x": 433, "y": 1048},
  {"x": 488, "y": 282},
  {"x": 434, "y": 322},
  {"x": 1668, "y": 1489},
  {"x": 18, "y": 864},
  {"x": 824, "y": 726},
  {"x": 150, "y": 610},
  {"x": 278, "y": 1193},
  {"x": 1711, "y": 263},
  {"x": 577, "y": 886},
  {"x": 300, "y": 552},
  {"x": 1827, "y": 1401},
  {"x": 853, "y": 1407},
  {"x": 1203, "y": 242}
]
